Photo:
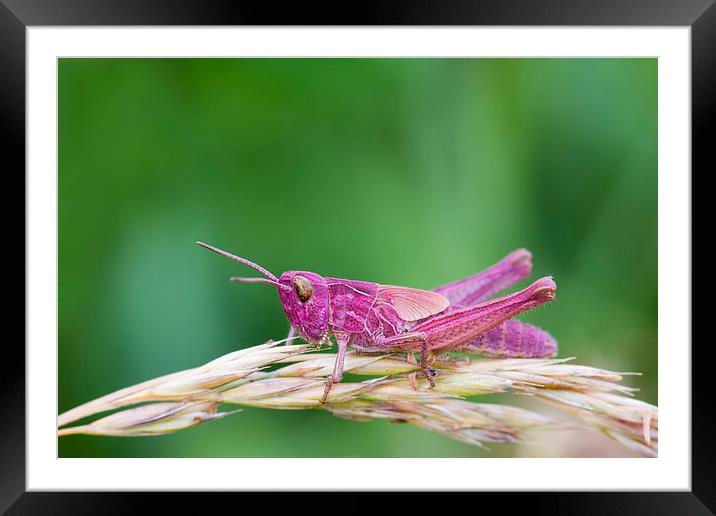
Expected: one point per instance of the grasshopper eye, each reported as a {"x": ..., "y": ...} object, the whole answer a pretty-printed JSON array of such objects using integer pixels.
[{"x": 303, "y": 288}]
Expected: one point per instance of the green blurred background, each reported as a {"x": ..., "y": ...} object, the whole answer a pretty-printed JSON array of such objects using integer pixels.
[{"x": 412, "y": 172}]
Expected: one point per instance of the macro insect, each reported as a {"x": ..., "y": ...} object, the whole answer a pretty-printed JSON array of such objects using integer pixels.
[{"x": 371, "y": 317}]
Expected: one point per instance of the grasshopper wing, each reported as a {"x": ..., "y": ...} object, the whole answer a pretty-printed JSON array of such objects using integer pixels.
[{"x": 412, "y": 304}]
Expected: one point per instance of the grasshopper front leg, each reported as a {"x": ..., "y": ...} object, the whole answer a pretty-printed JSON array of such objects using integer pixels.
[
  {"x": 291, "y": 335},
  {"x": 342, "y": 339}
]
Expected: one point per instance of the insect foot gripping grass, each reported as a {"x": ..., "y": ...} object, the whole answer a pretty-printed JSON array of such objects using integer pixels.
[
  {"x": 384, "y": 318},
  {"x": 292, "y": 377}
]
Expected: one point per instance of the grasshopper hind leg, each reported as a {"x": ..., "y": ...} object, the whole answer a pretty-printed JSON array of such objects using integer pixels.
[
  {"x": 425, "y": 369},
  {"x": 412, "y": 377},
  {"x": 408, "y": 342},
  {"x": 428, "y": 371}
]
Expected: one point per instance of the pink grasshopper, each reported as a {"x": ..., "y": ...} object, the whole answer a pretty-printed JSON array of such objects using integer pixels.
[{"x": 378, "y": 318}]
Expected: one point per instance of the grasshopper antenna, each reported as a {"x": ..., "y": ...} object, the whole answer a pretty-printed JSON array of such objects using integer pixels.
[
  {"x": 235, "y": 279},
  {"x": 245, "y": 262}
]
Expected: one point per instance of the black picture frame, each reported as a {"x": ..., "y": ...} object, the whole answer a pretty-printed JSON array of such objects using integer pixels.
[{"x": 17, "y": 15}]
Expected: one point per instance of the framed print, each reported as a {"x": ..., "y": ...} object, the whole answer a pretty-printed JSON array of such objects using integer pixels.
[{"x": 470, "y": 228}]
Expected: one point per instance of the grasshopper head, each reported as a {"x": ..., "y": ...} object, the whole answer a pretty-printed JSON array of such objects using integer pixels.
[{"x": 304, "y": 296}]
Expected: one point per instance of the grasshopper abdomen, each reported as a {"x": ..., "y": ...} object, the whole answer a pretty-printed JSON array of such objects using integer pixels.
[{"x": 514, "y": 339}]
